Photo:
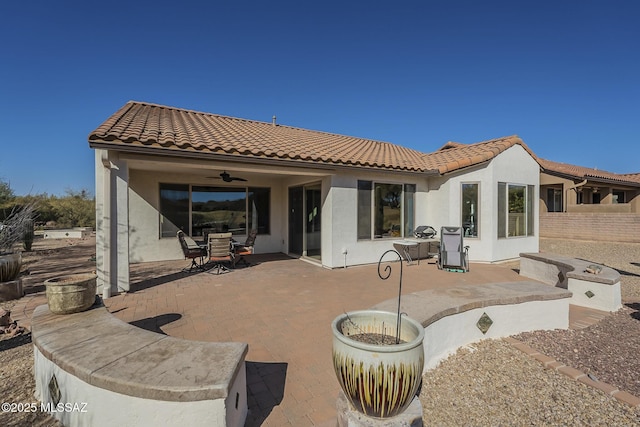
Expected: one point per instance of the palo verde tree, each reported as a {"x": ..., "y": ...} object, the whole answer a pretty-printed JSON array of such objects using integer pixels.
[{"x": 75, "y": 209}]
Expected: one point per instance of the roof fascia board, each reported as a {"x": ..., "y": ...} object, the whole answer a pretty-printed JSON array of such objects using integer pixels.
[
  {"x": 245, "y": 159},
  {"x": 612, "y": 181}
]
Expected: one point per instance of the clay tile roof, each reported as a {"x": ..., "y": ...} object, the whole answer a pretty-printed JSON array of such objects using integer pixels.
[
  {"x": 450, "y": 144},
  {"x": 580, "y": 172},
  {"x": 144, "y": 126},
  {"x": 454, "y": 155}
]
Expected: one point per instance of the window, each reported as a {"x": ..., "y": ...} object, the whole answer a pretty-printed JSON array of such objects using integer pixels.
[
  {"x": 218, "y": 210},
  {"x": 259, "y": 209},
  {"x": 385, "y": 210},
  {"x": 619, "y": 196},
  {"x": 174, "y": 209},
  {"x": 213, "y": 209},
  {"x": 409, "y": 193},
  {"x": 364, "y": 209},
  {"x": 554, "y": 200},
  {"x": 470, "y": 209},
  {"x": 515, "y": 210}
]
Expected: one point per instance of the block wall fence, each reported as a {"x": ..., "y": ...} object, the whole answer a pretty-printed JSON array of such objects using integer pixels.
[{"x": 611, "y": 227}]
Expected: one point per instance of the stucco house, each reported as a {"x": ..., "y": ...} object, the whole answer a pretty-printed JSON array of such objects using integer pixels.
[{"x": 335, "y": 200}]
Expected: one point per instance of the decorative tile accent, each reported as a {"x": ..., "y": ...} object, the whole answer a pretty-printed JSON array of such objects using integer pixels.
[
  {"x": 590, "y": 294},
  {"x": 54, "y": 390},
  {"x": 484, "y": 323}
]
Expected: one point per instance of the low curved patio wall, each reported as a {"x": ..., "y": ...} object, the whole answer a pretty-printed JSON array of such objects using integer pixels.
[
  {"x": 93, "y": 369},
  {"x": 460, "y": 315},
  {"x": 599, "y": 291}
]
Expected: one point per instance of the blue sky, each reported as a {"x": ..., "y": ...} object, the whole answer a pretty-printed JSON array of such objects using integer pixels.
[{"x": 563, "y": 75}]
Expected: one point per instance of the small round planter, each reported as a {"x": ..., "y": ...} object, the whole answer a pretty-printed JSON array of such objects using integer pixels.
[
  {"x": 379, "y": 380},
  {"x": 71, "y": 293},
  {"x": 11, "y": 290},
  {"x": 10, "y": 283}
]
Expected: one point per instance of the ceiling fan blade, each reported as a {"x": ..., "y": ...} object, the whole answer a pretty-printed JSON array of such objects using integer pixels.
[{"x": 226, "y": 177}]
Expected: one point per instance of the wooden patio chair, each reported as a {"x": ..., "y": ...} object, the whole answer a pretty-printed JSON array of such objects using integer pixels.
[{"x": 220, "y": 251}]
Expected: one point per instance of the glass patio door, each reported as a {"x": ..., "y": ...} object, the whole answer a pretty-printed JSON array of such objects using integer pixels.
[{"x": 305, "y": 207}]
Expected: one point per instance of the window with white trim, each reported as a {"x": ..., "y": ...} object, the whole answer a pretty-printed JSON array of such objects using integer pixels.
[
  {"x": 515, "y": 210},
  {"x": 470, "y": 208},
  {"x": 385, "y": 210}
]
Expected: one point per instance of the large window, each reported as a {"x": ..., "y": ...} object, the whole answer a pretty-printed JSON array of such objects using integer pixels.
[
  {"x": 199, "y": 209},
  {"x": 515, "y": 210},
  {"x": 218, "y": 210},
  {"x": 470, "y": 209},
  {"x": 385, "y": 210},
  {"x": 174, "y": 209}
]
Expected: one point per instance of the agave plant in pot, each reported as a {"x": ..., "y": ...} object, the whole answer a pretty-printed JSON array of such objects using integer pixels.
[
  {"x": 12, "y": 232},
  {"x": 378, "y": 357}
]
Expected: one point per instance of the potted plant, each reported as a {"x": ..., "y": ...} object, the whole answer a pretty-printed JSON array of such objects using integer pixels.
[
  {"x": 11, "y": 233},
  {"x": 378, "y": 357},
  {"x": 71, "y": 293}
]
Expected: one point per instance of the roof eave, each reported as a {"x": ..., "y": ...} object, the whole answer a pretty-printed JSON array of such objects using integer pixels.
[
  {"x": 168, "y": 152},
  {"x": 592, "y": 178}
]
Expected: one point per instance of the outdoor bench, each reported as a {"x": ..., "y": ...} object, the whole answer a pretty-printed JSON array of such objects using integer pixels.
[
  {"x": 459, "y": 315},
  {"x": 94, "y": 369},
  {"x": 600, "y": 291}
]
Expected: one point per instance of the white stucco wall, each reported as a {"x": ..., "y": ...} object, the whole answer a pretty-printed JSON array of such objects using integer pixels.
[
  {"x": 342, "y": 208},
  {"x": 94, "y": 406},
  {"x": 443, "y": 337},
  {"x": 444, "y": 199},
  {"x": 112, "y": 222},
  {"x": 515, "y": 166}
]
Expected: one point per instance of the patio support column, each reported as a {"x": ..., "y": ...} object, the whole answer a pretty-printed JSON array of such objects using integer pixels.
[{"x": 112, "y": 224}]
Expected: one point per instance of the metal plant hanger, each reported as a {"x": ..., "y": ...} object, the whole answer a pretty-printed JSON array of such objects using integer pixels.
[{"x": 387, "y": 271}]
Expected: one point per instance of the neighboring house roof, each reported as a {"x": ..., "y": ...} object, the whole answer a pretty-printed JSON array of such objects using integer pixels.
[
  {"x": 593, "y": 174},
  {"x": 142, "y": 126},
  {"x": 454, "y": 155}
]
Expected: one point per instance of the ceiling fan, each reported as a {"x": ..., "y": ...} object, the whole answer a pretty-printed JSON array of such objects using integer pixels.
[{"x": 227, "y": 177}]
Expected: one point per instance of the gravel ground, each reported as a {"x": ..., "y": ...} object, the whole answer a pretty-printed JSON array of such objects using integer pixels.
[
  {"x": 18, "y": 385},
  {"x": 492, "y": 383}
]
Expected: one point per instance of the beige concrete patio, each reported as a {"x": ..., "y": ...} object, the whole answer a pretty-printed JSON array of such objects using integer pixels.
[{"x": 282, "y": 307}]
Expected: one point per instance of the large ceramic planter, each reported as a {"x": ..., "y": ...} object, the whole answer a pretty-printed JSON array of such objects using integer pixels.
[
  {"x": 379, "y": 380},
  {"x": 71, "y": 293}
]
